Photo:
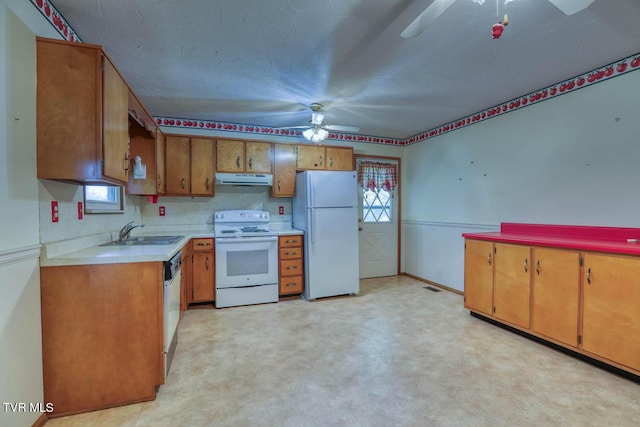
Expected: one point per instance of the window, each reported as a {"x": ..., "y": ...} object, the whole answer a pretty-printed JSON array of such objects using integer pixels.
[
  {"x": 376, "y": 205},
  {"x": 377, "y": 180},
  {"x": 103, "y": 199}
]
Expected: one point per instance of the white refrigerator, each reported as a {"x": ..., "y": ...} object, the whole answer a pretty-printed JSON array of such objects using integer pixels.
[{"x": 325, "y": 207}]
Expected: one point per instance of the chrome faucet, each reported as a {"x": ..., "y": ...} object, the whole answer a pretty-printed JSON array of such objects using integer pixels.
[{"x": 123, "y": 234}]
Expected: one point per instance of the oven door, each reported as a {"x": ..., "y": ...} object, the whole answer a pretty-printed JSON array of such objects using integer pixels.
[{"x": 246, "y": 261}]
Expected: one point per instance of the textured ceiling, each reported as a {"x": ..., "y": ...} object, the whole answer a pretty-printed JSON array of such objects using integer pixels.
[{"x": 263, "y": 62}]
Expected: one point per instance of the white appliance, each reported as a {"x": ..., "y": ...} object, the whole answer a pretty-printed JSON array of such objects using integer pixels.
[
  {"x": 325, "y": 207},
  {"x": 246, "y": 258},
  {"x": 171, "y": 308}
]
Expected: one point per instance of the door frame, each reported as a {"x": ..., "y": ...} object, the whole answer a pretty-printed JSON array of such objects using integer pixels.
[{"x": 397, "y": 194}]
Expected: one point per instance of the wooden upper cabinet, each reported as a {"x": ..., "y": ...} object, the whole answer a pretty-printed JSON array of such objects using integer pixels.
[
  {"x": 161, "y": 183},
  {"x": 284, "y": 170},
  {"x": 258, "y": 157},
  {"x": 229, "y": 155},
  {"x": 202, "y": 166},
  {"x": 310, "y": 157},
  {"x": 82, "y": 114},
  {"x": 239, "y": 156},
  {"x": 178, "y": 165},
  {"x": 339, "y": 158}
]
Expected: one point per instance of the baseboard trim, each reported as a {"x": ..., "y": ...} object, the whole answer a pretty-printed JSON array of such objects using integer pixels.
[
  {"x": 595, "y": 362},
  {"x": 432, "y": 283}
]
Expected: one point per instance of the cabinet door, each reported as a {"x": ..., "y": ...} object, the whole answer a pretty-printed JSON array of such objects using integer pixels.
[
  {"x": 160, "y": 163},
  {"x": 310, "y": 157},
  {"x": 556, "y": 294},
  {"x": 229, "y": 156},
  {"x": 178, "y": 166},
  {"x": 115, "y": 116},
  {"x": 202, "y": 166},
  {"x": 67, "y": 111},
  {"x": 611, "y": 318},
  {"x": 340, "y": 158},
  {"x": 478, "y": 276},
  {"x": 511, "y": 284},
  {"x": 284, "y": 171},
  {"x": 258, "y": 156},
  {"x": 203, "y": 276}
]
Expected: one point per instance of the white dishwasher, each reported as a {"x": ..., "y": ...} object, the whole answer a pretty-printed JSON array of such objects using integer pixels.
[{"x": 171, "y": 308}]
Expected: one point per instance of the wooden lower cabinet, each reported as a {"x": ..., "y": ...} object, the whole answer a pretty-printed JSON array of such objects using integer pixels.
[
  {"x": 102, "y": 335},
  {"x": 203, "y": 270},
  {"x": 478, "y": 276},
  {"x": 611, "y": 298},
  {"x": 291, "y": 260},
  {"x": 556, "y": 291},
  {"x": 586, "y": 302},
  {"x": 511, "y": 284}
]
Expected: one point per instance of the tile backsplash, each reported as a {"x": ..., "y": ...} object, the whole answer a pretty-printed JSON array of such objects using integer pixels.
[{"x": 199, "y": 210}]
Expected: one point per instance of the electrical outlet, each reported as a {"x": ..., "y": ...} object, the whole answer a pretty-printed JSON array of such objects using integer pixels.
[
  {"x": 161, "y": 210},
  {"x": 54, "y": 211},
  {"x": 79, "y": 210},
  {"x": 281, "y": 210}
]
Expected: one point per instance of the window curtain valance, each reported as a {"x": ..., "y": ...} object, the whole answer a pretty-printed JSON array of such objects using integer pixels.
[{"x": 375, "y": 175}]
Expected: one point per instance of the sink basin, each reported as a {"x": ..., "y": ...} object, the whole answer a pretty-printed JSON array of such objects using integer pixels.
[{"x": 146, "y": 240}]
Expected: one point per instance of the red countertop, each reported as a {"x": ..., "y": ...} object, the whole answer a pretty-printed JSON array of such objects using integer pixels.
[{"x": 584, "y": 238}]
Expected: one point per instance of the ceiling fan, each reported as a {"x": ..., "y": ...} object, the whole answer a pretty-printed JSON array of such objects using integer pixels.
[
  {"x": 316, "y": 131},
  {"x": 438, "y": 7}
]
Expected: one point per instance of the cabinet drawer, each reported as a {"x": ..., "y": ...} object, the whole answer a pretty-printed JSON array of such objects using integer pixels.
[
  {"x": 290, "y": 253},
  {"x": 291, "y": 285},
  {"x": 202, "y": 245},
  {"x": 291, "y": 267},
  {"x": 290, "y": 241}
]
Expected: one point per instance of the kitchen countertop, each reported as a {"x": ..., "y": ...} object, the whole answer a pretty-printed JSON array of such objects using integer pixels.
[
  {"x": 86, "y": 250},
  {"x": 616, "y": 240}
]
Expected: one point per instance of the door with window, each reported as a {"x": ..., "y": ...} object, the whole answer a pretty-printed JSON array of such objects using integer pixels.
[{"x": 378, "y": 192}]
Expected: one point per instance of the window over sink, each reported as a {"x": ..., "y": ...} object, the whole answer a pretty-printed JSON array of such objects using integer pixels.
[{"x": 101, "y": 199}]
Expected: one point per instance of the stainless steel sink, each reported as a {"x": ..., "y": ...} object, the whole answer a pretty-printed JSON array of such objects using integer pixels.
[{"x": 146, "y": 240}]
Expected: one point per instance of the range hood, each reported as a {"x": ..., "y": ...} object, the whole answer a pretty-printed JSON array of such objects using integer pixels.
[{"x": 244, "y": 179}]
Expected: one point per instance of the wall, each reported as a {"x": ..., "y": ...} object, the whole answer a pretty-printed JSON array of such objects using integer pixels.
[
  {"x": 20, "y": 332},
  {"x": 568, "y": 160}
]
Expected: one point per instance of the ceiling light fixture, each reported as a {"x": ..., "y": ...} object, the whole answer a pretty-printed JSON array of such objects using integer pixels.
[{"x": 315, "y": 134}]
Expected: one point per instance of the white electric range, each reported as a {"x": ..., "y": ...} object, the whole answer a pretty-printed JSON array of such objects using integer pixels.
[{"x": 246, "y": 258}]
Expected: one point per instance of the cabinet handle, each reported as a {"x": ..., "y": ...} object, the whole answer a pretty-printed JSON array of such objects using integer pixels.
[
  {"x": 290, "y": 285},
  {"x": 206, "y": 263},
  {"x": 278, "y": 185},
  {"x": 126, "y": 164},
  {"x": 292, "y": 268},
  {"x": 183, "y": 183},
  {"x": 289, "y": 241},
  {"x": 206, "y": 183},
  {"x": 202, "y": 244},
  {"x": 331, "y": 161},
  {"x": 489, "y": 258},
  {"x": 159, "y": 181},
  {"x": 538, "y": 267},
  {"x": 250, "y": 163},
  {"x": 290, "y": 253},
  {"x": 589, "y": 275},
  {"x": 238, "y": 161},
  {"x": 320, "y": 160},
  {"x": 525, "y": 265}
]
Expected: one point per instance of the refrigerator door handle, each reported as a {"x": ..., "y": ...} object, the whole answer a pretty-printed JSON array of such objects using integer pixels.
[{"x": 311, "y": 229}]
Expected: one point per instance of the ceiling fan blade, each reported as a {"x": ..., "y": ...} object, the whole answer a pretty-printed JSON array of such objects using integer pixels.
[
  {"x": 342, "y": 128},
  {"x": 426, "y": 18},
  {"x": 292, "y": 127},
  {"x": 569, "y": 7}
]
